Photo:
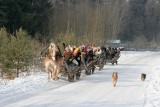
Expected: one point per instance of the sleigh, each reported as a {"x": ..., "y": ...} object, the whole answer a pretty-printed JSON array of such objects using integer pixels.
[
  {"x": 71, "y": 71},
  {"x": 89, "y": 67},
  {"x": 101, "y": 61},
  {"x": 113, "y": 60}
]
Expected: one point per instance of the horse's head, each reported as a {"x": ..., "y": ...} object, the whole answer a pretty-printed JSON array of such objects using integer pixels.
[
  {"x": 53, "y": 47},
  {"x": 52, "y": 50}
]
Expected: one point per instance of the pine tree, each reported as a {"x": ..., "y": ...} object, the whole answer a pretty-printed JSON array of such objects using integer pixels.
[
  {"x": 3, "y": 13},
  {"x": 4, "y": 40},
  {"x": 31, "y": 15},
  {"x": 18, "y": 54},
  {"x": 137, "y": 18}
]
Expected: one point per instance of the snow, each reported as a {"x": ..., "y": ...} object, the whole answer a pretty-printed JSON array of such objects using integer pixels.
[{"x": 95, "y": 90}]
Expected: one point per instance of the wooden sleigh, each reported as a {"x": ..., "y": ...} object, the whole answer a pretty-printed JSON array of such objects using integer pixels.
[
  {"x": 71, "y": 71},
  {"x": 113, "y": 60}
]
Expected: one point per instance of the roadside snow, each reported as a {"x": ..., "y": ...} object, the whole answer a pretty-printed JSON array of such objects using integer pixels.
[{"x": 95, "y": 90}]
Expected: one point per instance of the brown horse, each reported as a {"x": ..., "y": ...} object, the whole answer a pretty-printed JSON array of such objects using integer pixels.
[{"x": 52, "y": 58}]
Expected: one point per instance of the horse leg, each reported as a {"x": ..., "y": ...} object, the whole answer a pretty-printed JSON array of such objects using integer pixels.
[
  {"x": 48, "y": 71},
  {"x": 54, "y": 73},
  {"x": 47, "y": 64},
  {"x": 58, "y": 70}
]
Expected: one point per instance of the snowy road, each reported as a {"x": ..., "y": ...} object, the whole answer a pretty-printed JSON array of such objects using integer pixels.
[{"x": 97, "y": 91}]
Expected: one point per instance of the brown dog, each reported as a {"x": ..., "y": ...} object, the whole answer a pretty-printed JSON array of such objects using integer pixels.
[
  {"x": 143, "y": 77},
  {"x": 114, "y": 78}
]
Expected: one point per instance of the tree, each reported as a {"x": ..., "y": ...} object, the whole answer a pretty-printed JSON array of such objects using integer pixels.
[
  {"x": 137, "y": 23},
  {"x": 152, "y": 19},
  {"x": 4, "y": 40},
  {"x": 18, "y": 54},
  {"x": 31, "y": 15},
  {"x": 3, "y": 13}
]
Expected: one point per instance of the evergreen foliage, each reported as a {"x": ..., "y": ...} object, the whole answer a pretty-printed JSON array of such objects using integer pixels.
[
  {"x": 31, "y": 15},
  {"x": 3, "y": 13},
  {"x": 109, "y": 19},
  {"x": 17, "y": 52},
  {"x": 4, "y": 40}
]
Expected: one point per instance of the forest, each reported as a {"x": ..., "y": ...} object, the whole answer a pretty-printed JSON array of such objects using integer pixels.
[
  {"x": 108, "y": 19},
  {"x": 27, "y": 26}
]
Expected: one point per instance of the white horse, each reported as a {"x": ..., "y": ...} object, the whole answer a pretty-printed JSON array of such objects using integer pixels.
[{"x": 53, "y": 59}]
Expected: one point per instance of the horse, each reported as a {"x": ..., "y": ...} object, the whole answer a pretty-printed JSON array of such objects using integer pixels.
[{"x": 52, "y": 58}]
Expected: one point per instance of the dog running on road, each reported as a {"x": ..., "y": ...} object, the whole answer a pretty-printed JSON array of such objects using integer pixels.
[
  {"x": 114, "y": 78},
  {"x": 143, "y": 76}
]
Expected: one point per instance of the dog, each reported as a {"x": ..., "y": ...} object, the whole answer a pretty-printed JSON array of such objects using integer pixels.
[
  {"x": 114, "y": 78},
  {"x": 143, "y": 76}
]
